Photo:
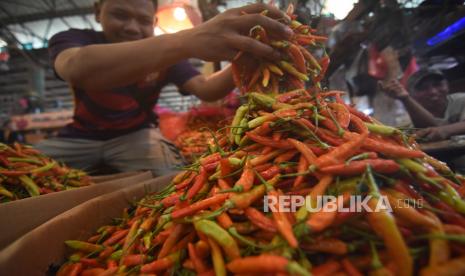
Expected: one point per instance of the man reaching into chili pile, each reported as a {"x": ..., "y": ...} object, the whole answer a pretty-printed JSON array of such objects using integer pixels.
[
  {"x": 431, "y": 107},
  {"x": 116, "y": 76}
]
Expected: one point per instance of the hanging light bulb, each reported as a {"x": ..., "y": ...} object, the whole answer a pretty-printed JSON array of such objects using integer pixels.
[
  {"x": 176, "y": 16},
  {"x": 179, "y": 14}
]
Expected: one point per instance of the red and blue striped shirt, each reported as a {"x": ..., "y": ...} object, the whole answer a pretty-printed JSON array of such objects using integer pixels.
[{"x": 102, "y": 115}]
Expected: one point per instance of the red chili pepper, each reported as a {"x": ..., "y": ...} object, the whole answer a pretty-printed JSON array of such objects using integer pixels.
[
  {"x": 260, "y": 220},
  {"x": 323, "y": 219},
  {"x": 449, "y": 214},
  {"x": 342, "y": 114},
  {"x": 226, "y": 169},
  {"x": 117, "y": 236},
  {"x": 342, "y": 217},
  {"x": 198, "y": 263},
  {"x": 112, "y": 264},
  {"x": 386, "y": 148},
  {"x": 211, "y": 166},
  {"x": 89, "y": 262},
  {"x": 296, "y": 83},
  {"x": 353, "y": 111},
  {"x": 358, "y": 167},
  {"x": 254, "y": 78},
  {"x": 224, "y": 220},
  {"x": 298, "y": 58},
  {"x": 282, "y": 223},
  {"x": 342, "y": 152},
  {"x": 175, "y": 234},
  {"x": 324, "y": 63},
  {"x": 198, "y": 183},
  {"x": 247, "y": 178},
  {"x": 4, "y": 161},
  {"x": 199, "y": 205},
  {"x": 326, "y": 245},
  {"x": 268, "y": 142},
  {"x": 237, "y": 77},
  {"x": 258, "y": 264},
  {"x": 286, "y": 97},
  {"x": 270, "y": 172},
  {"x": 106, "y": 253},
  {"x": 171, "y": 200},
  {"x": 214, "y": 157},
  {"x": 301, "y": 168},
  {"x": 223, "y": 184},
  {"x": 265, "y": 158},
  {"x": 160, "y": 264},
  {"x": 324, "y": 134},
  {"x": 134, "y": 259},
  {"x": 326, "y": 269},
  {"x": 184, "y": 241},
  {"x": 185, "y": 182},
  {"x": 285, "y": 156},
  {"x": 75, "y": 269},
  {"x": 13, "y": 173},
  {"x": 263, "y": 167},
  {"x": 350, "y": 268},
  {"x": 310, "y": 58}
]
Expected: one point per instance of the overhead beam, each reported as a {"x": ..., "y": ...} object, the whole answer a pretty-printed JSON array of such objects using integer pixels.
[{"x": 47, "y": 15}]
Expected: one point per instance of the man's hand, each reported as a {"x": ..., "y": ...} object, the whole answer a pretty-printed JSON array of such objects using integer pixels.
[
  {"x": 432, "y": 134},
  {"x": 222, "y": 37},
  {"x": 394, "y": 89}
]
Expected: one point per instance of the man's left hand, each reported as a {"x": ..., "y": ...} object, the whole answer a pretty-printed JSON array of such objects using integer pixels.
[{"x": 432, "y": 134}]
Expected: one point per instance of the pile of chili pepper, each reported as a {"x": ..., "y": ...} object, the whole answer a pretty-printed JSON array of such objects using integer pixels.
[
  {"x": 211, "y": 219},
  {"x": 26, "y": 172},
  {"x": 193, "y": 142}
]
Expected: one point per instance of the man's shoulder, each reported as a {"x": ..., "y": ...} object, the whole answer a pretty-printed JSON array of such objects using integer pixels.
[
  {"x": 87, "y": 35},
  {"x": 459, "y": 96}
]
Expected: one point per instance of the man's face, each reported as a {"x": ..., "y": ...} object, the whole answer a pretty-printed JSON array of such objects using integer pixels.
[
  {"x": 432, "y": 93},
  {"x": 124, "y": 20}
]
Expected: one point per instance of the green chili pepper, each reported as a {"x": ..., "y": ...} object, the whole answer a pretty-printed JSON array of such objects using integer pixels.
[
  {"x": 384, "y": 225},
  {"x": 116, "y": 255},
  {"x": 45, "y": 168},
  {"x": 412, "y": 165},
  {"x": 452, "y": 200},
  {"x": 5, "y": 192},
  {"x": 258, "y": 121},
  {"x": 293, "y": 71},
  {"x": 25, "y": 160},
  {"x": 221, "y": 236},
  {"x": 240, "y": 113},
  {"x": 242, "y": 128},
  {"x": 30, "y": 185},
  {"x": 84, "y": 246},
  {"x": 382, "y": 129}
]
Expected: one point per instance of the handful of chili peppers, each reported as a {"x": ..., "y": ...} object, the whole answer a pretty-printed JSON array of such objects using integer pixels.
[
  {"x": 289, "y": 140},
  {"x": 26, "y": 172}
]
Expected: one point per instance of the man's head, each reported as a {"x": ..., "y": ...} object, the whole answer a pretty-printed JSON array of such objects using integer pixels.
[
  {"x": 126, "y": 20},
  {"x": 429, "y": 88}
]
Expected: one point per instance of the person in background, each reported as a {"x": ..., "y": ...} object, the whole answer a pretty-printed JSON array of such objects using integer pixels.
[
  {"x": 116, "y": 76},
  {"x": 431, "y": 107}
]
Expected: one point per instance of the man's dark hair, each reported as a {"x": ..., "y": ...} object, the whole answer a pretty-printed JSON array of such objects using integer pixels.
[{"x": 155, "y": 3}]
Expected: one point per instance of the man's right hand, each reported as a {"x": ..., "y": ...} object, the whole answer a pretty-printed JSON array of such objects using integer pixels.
[
  {"x": 222, "y": 37},
  {"x": 394, "y": 89}
]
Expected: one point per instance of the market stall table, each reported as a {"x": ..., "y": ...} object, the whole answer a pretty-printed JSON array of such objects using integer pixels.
[{"x": 444, "y": 146}]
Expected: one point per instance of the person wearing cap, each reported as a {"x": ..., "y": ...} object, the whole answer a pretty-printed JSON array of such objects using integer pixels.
[
  {"x": 430, "y": 104},
  {"x": 117, "y": 74},
  {"x": 439, "y": 113}
]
